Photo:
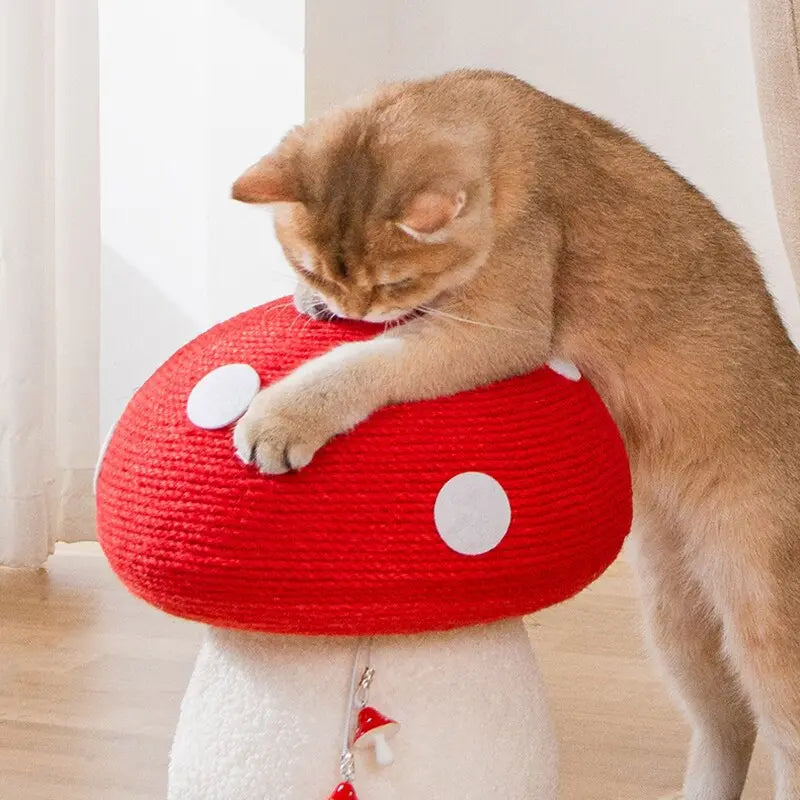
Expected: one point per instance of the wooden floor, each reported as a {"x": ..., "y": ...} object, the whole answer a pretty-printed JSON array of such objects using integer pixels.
[{"x": 91, "y": 680}]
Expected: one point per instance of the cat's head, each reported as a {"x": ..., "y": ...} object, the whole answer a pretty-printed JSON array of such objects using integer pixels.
[{"x": 378, "y": 213}]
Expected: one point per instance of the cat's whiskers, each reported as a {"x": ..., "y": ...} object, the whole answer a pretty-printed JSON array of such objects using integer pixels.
[
  {"x": 446, "y": 315},
  {"x": 307, "y": 322},
  {"x": 310, "y": 315},
  {"x": 321, "y": 312},
  {"x": 279, "y": 307},
  {"x": 294, "y": 321}
]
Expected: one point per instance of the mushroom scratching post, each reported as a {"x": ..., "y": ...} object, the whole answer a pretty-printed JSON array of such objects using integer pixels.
[{"x": 385, "y": 581}]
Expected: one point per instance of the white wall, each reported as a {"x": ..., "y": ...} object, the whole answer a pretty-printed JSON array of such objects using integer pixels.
[
  {"x": 677, "y": 74},
  {"x": 192, "y": 91}
]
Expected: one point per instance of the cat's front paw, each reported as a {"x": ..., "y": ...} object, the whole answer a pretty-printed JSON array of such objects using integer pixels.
[{"x": 275, "y": 435}]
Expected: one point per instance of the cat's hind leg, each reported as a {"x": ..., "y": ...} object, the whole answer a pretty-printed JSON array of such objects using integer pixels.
[
  {"x": 757, "y": 590},
  {"x": 687, "y": 639}
]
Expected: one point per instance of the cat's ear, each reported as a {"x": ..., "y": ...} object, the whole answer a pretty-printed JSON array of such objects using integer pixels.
[
  {"x": 269, "y": 180},
  {"x": 428, "y": 214}
]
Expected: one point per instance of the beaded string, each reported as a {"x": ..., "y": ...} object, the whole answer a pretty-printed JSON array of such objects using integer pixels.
[{"x": 357, "y": 698}]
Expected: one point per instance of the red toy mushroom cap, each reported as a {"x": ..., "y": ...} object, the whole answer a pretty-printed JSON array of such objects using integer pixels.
[
  {"x": 461, "y": 510},
  {"x": 344, "y": 791},
  {"x": 369, "y": 721},
  {"x": 374, "y": 730}
]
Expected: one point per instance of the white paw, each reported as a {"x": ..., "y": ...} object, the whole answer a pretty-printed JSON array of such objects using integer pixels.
[{"x": 275, "y": 439}]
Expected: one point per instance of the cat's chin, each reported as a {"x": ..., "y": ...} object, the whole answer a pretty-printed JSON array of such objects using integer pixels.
[
  {"x": 320, "y": 312},
  {"x": 313, "y": 305},
  {"x": 391, "y": 316},
  {"x": 317, "y": 313}
]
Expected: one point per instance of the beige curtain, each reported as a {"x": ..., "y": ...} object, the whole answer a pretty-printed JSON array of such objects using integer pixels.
[
  {"x": 776, "y": 51},
  {"x": 49, "y": 275}
]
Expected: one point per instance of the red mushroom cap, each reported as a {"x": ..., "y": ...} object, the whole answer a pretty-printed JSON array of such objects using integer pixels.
[
  {"x": 376, "y": 535},
  {"x": 371, "y": 720}
]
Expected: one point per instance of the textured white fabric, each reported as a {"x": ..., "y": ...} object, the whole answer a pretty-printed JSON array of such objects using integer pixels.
[
  {"x": 263, "y": 716},
  {"x": 49, "y": 275}
]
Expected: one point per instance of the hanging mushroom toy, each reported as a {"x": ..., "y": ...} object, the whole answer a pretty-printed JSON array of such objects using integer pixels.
[
  {"x": 385, "y": 581},
  {"x": 374, "y": 730}
]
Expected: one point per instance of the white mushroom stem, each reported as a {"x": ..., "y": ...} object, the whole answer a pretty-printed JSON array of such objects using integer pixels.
[
  {"x": 383, "y": 753},
  {"x": 263, "y": 717}
]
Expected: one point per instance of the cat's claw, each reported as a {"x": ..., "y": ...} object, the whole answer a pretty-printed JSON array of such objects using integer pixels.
[{"x": 273, "y": 441}]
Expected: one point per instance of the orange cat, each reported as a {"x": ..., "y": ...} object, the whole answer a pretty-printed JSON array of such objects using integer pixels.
[{"x": 503, "y": 228}]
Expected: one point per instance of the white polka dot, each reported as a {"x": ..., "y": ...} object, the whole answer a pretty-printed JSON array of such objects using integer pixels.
[
  {"x": 565, "y": 368},
  {"x": 472, "y": 513},
  {"x": 222, "y": 396}
]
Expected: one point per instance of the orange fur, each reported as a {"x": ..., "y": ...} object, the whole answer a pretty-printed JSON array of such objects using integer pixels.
[{"x": 573, "y": 241}]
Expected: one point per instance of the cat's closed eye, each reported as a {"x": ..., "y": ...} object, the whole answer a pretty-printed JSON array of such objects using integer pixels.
[
  {"x": 405, "y": 283},
  {"x": 305, "y": 272},
  {"x": 304, "y": 263}
]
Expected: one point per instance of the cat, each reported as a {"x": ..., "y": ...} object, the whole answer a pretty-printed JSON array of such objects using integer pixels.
[{"x": 491, "y": 227}]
